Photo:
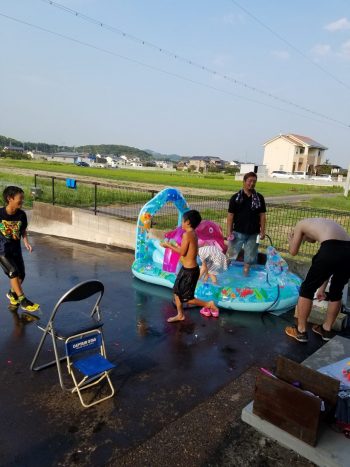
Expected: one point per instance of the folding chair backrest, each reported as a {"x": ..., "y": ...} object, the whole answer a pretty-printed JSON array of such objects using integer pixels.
[
  {"x": 80, "y": 292},
  {"x": 82, "y": 344}
]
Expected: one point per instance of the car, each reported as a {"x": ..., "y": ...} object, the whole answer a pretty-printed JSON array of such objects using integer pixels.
[
  {"x": 300, "y": 175},
  {"x": 325, "y": 178},
  {"x": 281, "y": 174},
  {"x": 82, "y": 164}
]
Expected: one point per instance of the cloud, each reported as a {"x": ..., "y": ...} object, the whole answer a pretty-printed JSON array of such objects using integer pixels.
[
  {"x": 339, "y": 25},
  {"x": 321, "y": 50},
  {"x": 280, "y": 54},
  {"x": 345, "y": 50}
]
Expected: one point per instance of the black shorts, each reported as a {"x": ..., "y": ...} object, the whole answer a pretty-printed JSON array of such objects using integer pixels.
[
  {"x": 13, "y": 265},
  {"x": 332, "y": 259},
  {"x": 185, "y": 283}
]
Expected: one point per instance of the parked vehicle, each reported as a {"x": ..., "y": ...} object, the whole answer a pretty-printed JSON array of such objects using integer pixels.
[
  {"x": 300, "y": 175},
  {"x": 82, "y": 164},
  {"x": 281, "y": 174},
  {"x": 325, "y": 178}
]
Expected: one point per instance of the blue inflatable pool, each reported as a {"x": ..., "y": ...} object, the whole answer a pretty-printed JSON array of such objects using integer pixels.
[{"x": 269, "y": 287}]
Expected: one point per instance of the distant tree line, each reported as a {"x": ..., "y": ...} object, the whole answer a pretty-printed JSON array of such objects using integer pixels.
[{"x": 102, "y": 149}]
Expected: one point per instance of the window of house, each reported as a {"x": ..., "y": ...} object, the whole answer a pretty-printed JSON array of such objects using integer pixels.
[{"x": 302, "y": 150}]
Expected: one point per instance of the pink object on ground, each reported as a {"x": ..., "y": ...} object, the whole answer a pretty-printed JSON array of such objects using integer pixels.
[
  {"x": 205, "y": 311},
  {"x": 215, "y": 314}
]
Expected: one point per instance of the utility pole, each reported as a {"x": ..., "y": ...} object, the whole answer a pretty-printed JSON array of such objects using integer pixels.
[{"x": 347, "y": 183}]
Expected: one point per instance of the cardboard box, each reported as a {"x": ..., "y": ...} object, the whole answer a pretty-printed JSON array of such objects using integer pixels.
[{"x": 288, "y": 407}]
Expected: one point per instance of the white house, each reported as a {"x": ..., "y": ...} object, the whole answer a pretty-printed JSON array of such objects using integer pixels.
[
  {"x": 293, "y": 153},
  {"x": 164, "y": 164},
  {"x": 67, "y": 157}
]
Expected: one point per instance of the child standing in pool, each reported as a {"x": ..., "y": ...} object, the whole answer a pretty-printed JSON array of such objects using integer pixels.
[
  {"x": 213, "y": 262},
  {"x": 188, "y": 275}
]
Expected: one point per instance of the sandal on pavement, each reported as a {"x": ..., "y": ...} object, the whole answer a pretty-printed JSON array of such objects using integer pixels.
[
  {"x": 319, "y": 329},
  {"x": 292, "y": 331},
  {"x": 205, "y": 311}
]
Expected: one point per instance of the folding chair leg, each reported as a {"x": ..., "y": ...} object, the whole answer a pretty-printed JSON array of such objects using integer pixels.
[
  {"x": 79, "y": 387},
  {"x": 37, "y": 353},
  {"x": 56, "y": 362}
]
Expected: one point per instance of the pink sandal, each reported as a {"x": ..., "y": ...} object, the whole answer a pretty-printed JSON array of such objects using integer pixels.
[
  {"x": 205, "y": 311},
  {"x": 215, "y": 314}
]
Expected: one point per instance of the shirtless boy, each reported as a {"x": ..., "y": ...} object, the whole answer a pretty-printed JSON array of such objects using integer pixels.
[
  {"x": 332, "y": 259},
  {"x": 188, "y": 275}
]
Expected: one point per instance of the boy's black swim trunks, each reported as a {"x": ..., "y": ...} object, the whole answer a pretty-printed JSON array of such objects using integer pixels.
[
  {"x": 332, "y": 259},
  {"x": 185, "y": 283}
]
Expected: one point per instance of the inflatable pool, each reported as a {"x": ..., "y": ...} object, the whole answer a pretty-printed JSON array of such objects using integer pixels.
[{"x": 269, "y": 287}]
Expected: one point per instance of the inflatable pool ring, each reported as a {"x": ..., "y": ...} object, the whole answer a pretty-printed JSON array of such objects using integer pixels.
[{"x": 269, "y": 287}]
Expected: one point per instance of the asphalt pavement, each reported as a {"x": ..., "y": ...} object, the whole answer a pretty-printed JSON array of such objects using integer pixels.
[{"x": 167, "y": 376}]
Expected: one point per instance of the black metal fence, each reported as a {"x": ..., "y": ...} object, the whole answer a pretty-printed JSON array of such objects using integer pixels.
[{"x": 125, "y": 202}]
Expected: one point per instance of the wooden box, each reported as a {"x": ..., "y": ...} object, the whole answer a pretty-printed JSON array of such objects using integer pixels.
[{"x": 288, "y": 407}]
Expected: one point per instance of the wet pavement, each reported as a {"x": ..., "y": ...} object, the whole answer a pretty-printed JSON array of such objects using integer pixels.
[{"x": 163, "y": 370}]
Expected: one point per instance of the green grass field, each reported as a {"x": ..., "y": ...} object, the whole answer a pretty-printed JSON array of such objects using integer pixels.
[
  {"x": 339, "y": 203},
  {"x": 178, "y": 179}
]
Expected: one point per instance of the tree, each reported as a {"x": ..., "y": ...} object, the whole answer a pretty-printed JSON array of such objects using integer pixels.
[
  {"x": 15, "y": 155},
  {"x": 231, "y": 170}
]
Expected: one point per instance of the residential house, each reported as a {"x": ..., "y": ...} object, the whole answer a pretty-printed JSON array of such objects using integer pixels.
[
  {"x": 182, "y": 165},
  {"x": 66, "y": 157},
  {"x": 164, "y": 164},
  {"x": 204, "y": 163},
  {"x": 293, "y": 153},
  {"x": 13, "y": 149},
  {"x": 69, "y": 157},
  {"x": 216, "y": 162}
]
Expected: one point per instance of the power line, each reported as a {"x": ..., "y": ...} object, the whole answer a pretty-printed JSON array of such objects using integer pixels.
[
  {"x": 151, "y": 67},
  {"x": 289, "y": 44},
  {"x": 190, "y": 62}
]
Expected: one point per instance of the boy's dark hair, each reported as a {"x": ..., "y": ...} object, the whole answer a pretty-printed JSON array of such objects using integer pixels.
[
  {"x": 11, "y": 192},
  {"x": 250, "y": 174},
  {"x": 193, "y": 217}
]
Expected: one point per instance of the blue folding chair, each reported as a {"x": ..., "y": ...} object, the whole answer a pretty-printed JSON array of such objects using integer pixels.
[
  {"x": 86, "y": 337},
  {"x": 94, "y": 367}
]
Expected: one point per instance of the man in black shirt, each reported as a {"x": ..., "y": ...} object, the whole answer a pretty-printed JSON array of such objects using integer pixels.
[
  {"x": 13, "y": 226},
  {"x": 246, "y": 219}
]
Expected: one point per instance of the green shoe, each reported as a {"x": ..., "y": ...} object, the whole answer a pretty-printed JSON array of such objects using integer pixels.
[
  {"x": 12, "y": 296},
  {"x": 29, "y": 306}
]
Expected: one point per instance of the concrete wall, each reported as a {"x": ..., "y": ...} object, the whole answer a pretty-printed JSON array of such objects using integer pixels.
[{"x": 81, "y": 225}]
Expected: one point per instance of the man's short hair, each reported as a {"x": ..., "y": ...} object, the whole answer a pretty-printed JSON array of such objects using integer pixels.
[
  {"x": 11, "y": 192},
  {"x": 249, "y": 174},
  {"x": 193, "y": 217}
]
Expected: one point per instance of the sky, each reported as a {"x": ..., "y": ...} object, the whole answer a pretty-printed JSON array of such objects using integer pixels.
[{"x": 187, "y": 77}]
